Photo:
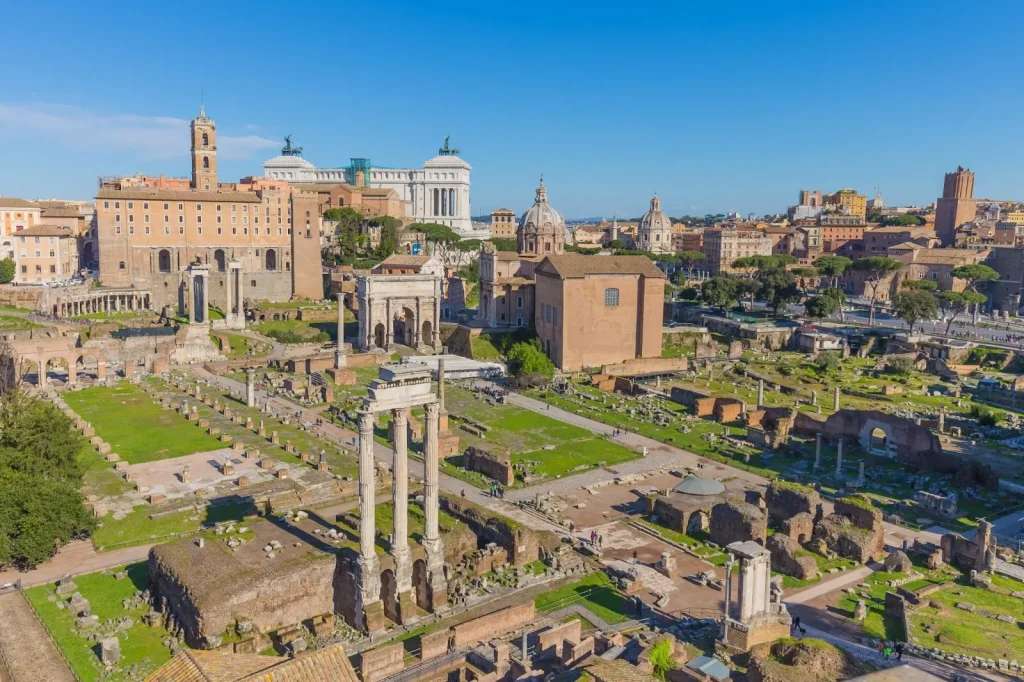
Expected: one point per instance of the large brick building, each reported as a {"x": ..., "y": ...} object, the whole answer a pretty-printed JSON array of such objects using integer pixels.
[
  {"x": 150, "y": 231},
  {"x": 956, "y": 206},
  {"x": 595, "y": 310},
  {"x": 724, "y": 245}
]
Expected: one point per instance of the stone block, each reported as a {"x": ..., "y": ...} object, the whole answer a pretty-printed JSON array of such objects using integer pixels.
[{"x": 110, "y": 651}]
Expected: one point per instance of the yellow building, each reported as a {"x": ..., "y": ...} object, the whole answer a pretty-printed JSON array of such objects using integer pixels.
[
  {"x": 46, "y": 253},
  {"x": 848, "y": 202}
]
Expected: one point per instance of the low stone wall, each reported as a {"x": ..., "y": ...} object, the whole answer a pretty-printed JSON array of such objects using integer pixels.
[
  {"x": 522, "y": 544},
  {"x": 493, "y": 466},
  {"x": 637, "y": 366},
  {"x": 382, "y": 662},
  {"x": 493, "y": 624}
]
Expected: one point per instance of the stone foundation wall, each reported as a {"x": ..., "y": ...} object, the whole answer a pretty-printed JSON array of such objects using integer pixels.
[
  {"x": 785, "y": 500},
  {"x": 493, "y": 624},
  {"x": 737, "y": 521},
  {"x": 522, "y": 544},
  {"x": 382, "y": 662},
  {"x": 493, "y": 466}
]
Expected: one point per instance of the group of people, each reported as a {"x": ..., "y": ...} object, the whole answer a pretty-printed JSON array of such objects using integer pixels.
[
  {"x": 497, "y": 490},
  {"x": 889, "y": 649}
]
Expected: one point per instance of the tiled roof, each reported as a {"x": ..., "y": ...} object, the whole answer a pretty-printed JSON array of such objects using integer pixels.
[
  {"x": 194, "y": 665},
  {"x": 44, "y": 230},
  {"x": 157, "y": 194},
  {"x": 14, "y": 202},
  {"x": 578, "y": 265}
]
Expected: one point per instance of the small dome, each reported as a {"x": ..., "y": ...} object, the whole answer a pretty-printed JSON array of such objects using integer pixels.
[
  {"x": 541, "y": 218},
  {"x": 695, "y": 485},
  {"x": 655, "y": 218}
]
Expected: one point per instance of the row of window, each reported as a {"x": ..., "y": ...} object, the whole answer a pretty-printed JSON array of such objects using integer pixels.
[
  {"x": 199, "y": 230},
  {"x": 53, "y": 254},
  {"x": 219, "y": 257},
  {"x": 39, "y": 269}
]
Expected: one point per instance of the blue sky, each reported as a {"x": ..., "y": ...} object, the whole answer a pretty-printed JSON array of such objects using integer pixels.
[{"x": 715, "y": 108}]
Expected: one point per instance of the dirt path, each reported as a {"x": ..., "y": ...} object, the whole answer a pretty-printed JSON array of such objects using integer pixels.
[
  {"x": 75, "y": 558},
  {"x": 26, "y": 650}
]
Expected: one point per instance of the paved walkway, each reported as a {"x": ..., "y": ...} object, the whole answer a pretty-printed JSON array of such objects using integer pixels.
[
  {"x": 75, "y": 558},
  {"x": 829, "y": 585},
  {"x": 26, "y": 650}
]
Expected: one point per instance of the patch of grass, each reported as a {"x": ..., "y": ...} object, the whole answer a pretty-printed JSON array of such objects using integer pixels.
[
  {"x": 142, "y": 648},
  {"x": 10, "y": 323},
  {"x": 137, "y": 428},
  {"x": 137, "y": 528},
  {"x": 293, "y": 331},
  {"x": 712, "y": 555},
  {"x": 958, "y": 631},
  {"x": 595, "y": 592},
  {"x": 548, "y": 447}
]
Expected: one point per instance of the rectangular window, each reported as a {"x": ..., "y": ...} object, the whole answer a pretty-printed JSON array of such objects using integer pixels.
[{"x": 611, "y": 297}]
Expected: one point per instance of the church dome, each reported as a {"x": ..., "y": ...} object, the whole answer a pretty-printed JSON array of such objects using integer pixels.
[
  {"x": 541, "y": 229},
  {"x": 541, "y": 218},
  {"x": 695, "y": 485},
  {"x": 655, "y": 229},
  {"x": 655, "y": 218}
]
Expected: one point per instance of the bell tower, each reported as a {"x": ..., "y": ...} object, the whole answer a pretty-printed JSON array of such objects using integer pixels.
[{"x": 204, "y": 152}]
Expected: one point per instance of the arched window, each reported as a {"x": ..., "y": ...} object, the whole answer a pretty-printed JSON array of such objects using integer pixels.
[
  {"x": 206, "y": 140},
  {"x": 271, "y": 259},
  {"x": 206, "y": 162},
  {"x": 164, "y": 260},
  {"x": 218, "y": 256},
  {"x": 611, "y": 297}
]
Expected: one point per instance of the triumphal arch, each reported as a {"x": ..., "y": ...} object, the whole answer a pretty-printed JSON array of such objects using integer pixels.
[{"x": 390, "y": 595}]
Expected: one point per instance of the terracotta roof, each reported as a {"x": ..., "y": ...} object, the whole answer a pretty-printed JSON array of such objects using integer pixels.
[
  {"x": 194, "y": 665},
  {"x": 506, "y": 255},
  {"x": 61, "y": 212},
  {"x": 44, "y": 230},
  {"x": 14, "y": 202},
  {"x": 177, "y": 195},
  {"x": 946, "y": 256},
  {"x": 578, "y": 265}
]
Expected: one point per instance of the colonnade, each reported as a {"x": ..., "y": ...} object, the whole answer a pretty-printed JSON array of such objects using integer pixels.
[
  {"x": 104, "y": 302},
  {"x": 445, "y": 202}
]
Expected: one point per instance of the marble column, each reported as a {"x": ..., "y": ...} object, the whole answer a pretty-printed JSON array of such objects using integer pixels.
[
  {"x": 760, "y": 392},
  {"x": 367, "y": 484},
  {"x": 835, "y": 399},
  {"x": 400, "y": 500},
  {"x": 431, "y": 534},
  {"x": 839, "y": 458},
  {"x": 339, "y": 353},
  {"x": 250, "y": 387},
  {"x": 817, "y": 451}
]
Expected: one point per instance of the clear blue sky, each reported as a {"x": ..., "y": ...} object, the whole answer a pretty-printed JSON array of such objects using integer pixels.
[{"x": 714, "y": 107}]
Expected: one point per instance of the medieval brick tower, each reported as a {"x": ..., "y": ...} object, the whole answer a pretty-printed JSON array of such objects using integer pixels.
[
  {"x": 204, "y": 152},
  {"x": 956, "y": 206}
]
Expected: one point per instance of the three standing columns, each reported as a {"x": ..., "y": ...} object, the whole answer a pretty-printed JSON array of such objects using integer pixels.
[{"x": 372, "y": 609}]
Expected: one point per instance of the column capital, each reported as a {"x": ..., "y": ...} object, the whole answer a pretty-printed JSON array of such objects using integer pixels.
[
  {"x": 400, "y": 415},
  {"x": 433, "y": 409},
  {"x": 365, "y": 423}
]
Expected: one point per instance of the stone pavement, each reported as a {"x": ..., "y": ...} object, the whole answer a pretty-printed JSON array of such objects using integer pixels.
[
  {"x": 829, "y": 585},
  {"x": 26, "y": 650}
]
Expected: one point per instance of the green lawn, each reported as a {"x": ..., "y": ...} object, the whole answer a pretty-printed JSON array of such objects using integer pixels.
[
  {"x": 594, "y": 592},
  {"x": 142, "y": 648},
  {"x": 138, "y": 529},
  {"x": 712, "y": 555},
  {"x": 11, "y": 323},
  {"x": 547, "y": 447},
  {"x": 238, "y": 346},
  {"x": 958, "y": 631},
  {"x": 138, "y": 429},
  {"x": 295, "y": 331}
]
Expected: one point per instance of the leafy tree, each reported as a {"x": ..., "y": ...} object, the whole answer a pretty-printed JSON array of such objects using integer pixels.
[
  {"x": 920, "y": 284},
  {"x": 900, "y": 220},
  {"x": 6, "y": 270},
  {"x": 975, "y": 274},
  {"x": 528, "y": 363},
  {"x": 833, "y": 267},
  {"x": 721, "y": 291},
  {"x": 389, "y": 228},
  {"x": 915, "y": 304},
  {"x": 40, "y": 503},
  {"x": 825, "y": 304},
  {"x": 956, "y": 302},
  {"x": 347, "y": 231},
  {"x": 777, "y": 287},
  {"x": 505, "y": 244},
  {"x": 689, "y": 259},
  {"x": 875, "y": 269}
]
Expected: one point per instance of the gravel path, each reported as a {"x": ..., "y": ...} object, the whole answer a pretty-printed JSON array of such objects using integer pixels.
[{"x": 26, "y": 650}]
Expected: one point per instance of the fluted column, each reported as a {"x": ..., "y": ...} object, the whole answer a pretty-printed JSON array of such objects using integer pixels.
[
  {"x": 339, "y": 354},
  {"x": 431, "y": 533},
  {"x": 400, "y": 500},
  {"x": 367, "y": 484}
]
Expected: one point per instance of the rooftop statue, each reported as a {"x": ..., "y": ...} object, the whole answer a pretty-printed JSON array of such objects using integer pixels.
[
  {"x": 446, "y": 150},
  {"x": 288, "y": 149}
]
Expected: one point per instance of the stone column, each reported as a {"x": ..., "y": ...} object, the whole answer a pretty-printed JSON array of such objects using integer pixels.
[
  {"x": 339, "y": 353},
  {"x": 942, "y": 420},
  {"x": 835, "y": 399},
  {"x": 41, "y": 373},
  {"x": 250, "y": 387},
  {"x": 748, "y": 583},
  {"x": 839, "y": 458},
  {"x": 431, "y": 531},
  {"x": 367, "y": 485},
  {"x": 229, "y": 309},
  {"x": 760, "y": 392},
  {"x": 400, "y": 500},
  {"x": 190, "y": 299},
  {"x": 817, "y": 451}
]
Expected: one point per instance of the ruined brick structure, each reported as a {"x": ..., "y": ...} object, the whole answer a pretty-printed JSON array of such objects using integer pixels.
[
  {"x": 854, "y": 530},
  {"x": 976, "y": 554},
  {"x": 737, "y": 521},
  {"x": 523, "y": 545},
  {"x": 498, "y": 467}
]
